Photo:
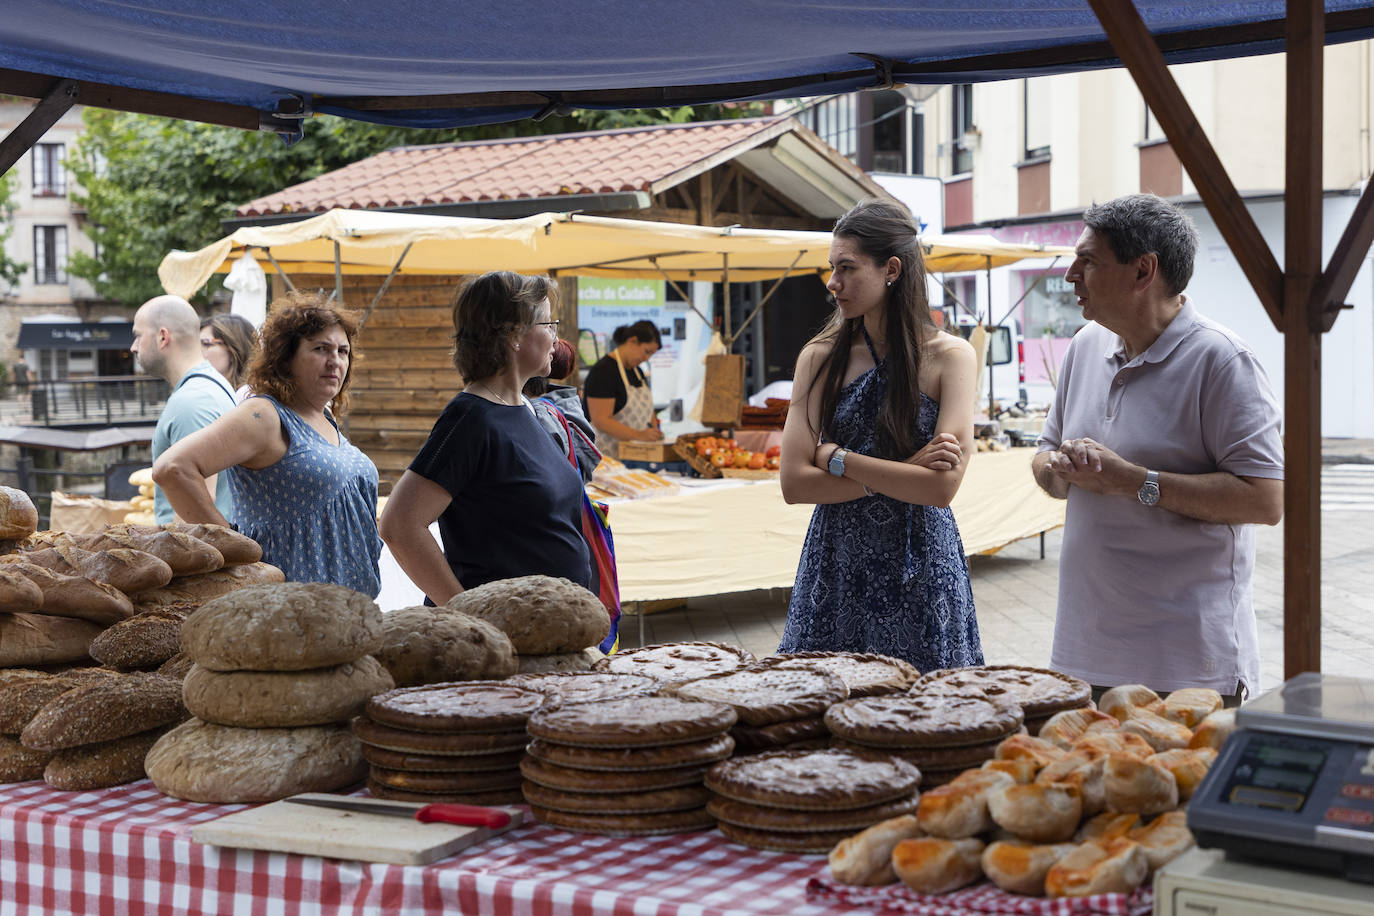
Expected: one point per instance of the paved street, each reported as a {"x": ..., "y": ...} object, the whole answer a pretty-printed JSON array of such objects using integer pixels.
[{"x": 1015, "y": 593}]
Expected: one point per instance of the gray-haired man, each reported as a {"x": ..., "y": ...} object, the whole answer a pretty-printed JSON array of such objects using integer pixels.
[{"x": 1164, "y": 437}]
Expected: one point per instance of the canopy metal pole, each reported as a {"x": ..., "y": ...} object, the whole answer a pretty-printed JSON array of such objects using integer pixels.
[
  {"x": 385, "y": 283},
  {"x": 1029, "y": 289},
  {"x": 987, "y": 343},
  {"x": 725, "y": 311},
  {"x": 338, "y": 277},
  {"x": 776, "y": 285},
  {"x": 281, "y": 273},
  {"x": 671, "y": 282}
]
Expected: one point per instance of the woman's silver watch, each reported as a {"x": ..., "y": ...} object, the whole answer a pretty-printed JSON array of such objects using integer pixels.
[{"x": 836, "y": 462}]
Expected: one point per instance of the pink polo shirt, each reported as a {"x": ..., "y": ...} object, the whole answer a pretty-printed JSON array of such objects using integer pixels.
[{"x": 1145, "y": 595}]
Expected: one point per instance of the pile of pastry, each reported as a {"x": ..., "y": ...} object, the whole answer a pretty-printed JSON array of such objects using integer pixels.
[{"x": 1090, "y": 806}]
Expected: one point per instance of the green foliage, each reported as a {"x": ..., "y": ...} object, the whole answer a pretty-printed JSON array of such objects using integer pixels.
[
  {"x": 10, "y": 269},
  {"x": 152, "y": 184}
]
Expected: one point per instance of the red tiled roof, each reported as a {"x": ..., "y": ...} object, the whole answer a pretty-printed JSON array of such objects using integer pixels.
[{"x": 596, "y": 162}]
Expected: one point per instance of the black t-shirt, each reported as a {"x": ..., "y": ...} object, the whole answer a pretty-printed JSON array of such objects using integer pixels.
[
  {"x": 517, "y": 502},
  {"x": 603, "y": 381}
]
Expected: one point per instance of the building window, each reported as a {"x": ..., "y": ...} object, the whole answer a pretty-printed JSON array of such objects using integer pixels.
[
  {"x": 49, "y": 174},
  {"x": 1036, "y": 107},
  {"x": 50, "y": 254},
  {"x": 895, "y": 134},
  {"x": 963, "y": 128},
  {"x": 835, "y": 121}
]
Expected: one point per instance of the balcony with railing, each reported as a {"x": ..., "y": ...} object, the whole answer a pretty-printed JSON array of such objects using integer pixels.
[{"x": 116, "y": 400}]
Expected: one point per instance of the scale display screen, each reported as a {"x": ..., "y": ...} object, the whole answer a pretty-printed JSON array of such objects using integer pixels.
[{"x": 1275, "y": 772}]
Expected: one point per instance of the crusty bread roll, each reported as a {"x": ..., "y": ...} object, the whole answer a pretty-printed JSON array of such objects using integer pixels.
[
  {"x": 1100, "y": 744},
  {"x": 1109, "y": 825},
  {"x": 581, "y": 660},
  {"x": 35, "y": 639},
  {"x": 1165, "y": 838},
  {"x": 18, "y": 514},
  {"x": 143, "y": 641},
  {"x": 1064, "y": 728},
  {"x": 1137, "y": 786},
  {"x": 431, "y": 645},
  {"x": 237, "y": 549},
  {"x": 1122, "y": 702},
  {"x": 1083, "y": 774},
  {"x": 1021, "y": 769},
  {"x": 202, "y": 588},
  {"x": 1160, "y": 733},
  {"x": 284, "y": 699},
  {"x": 1214, "y": 730},
  {"x": 1189, "y": 766},
  {"x": 1020, "y": 868},
  {"x": 76, "y": 596},
  {"x": 18, "y": 592},
  {"x": 1191, "y": 705},
  {"x": 19, "y": 763},
  {"x": 1039, "y": 750},
  {"x": 931, "y": 865},
  {"x": 1038, "y": 812},
  {"x": 1114, "y": 867},
  {"x": 960, "y": 808},
  {"x": 289, "y": 626},
  {"x": 200, "y": 762},
  {"x": 865, "y": 859},
  {"x": 105, "y": 709},
  {"x": 128, "y": 570},
  {"x": 99, "y": 766},
  {"x": 186, "y": 555}
]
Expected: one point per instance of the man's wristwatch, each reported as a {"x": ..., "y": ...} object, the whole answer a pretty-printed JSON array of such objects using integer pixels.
[
  {"x": 1148, "y": 494},
  {"x": 836, "y": 463}
]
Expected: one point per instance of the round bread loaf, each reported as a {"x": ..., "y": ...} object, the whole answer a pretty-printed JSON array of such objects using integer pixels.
[
  {"x": 105, "y": 709},
  {"x": 99, "y": 766},
  {"x": 218, "y": 764},
  {"x": 542, "y": 615},
  {"x": 582, "y": 660},
  {"x": 284, "y": 699},
  {"x": 431, "y": 645},
  {"x": 18, "y": 514},
  {"x": 289, "y": 626}
]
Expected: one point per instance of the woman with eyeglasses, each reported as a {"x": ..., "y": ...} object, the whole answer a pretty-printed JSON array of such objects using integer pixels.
[
  {"x": 619, "y": 401},
  {"x": 228, "y": 342},
  {"x": 507, "y": 501}
]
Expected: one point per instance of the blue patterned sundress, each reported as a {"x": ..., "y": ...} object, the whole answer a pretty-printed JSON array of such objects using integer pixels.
[
  {"x": 877, "y": 574},
  {"x": 315, "y": 511}
]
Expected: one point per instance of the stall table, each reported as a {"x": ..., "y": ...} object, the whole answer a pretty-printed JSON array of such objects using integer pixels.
[{"x": 129, "y": 850}]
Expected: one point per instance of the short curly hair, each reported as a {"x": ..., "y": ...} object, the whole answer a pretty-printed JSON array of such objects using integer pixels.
[
  {"x": 490, "y": 310},
  {"x": 290, "y": 320}
]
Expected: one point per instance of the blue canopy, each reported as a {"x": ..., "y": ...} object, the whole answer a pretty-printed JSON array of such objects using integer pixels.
[{"x": 442, "y": 63}]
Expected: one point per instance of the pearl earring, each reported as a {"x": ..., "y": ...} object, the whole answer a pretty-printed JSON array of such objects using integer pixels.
[{"x": 889, "y": 282}]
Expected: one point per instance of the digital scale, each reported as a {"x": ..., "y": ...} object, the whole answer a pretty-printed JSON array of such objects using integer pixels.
[{"x": 1294, "y": 785}]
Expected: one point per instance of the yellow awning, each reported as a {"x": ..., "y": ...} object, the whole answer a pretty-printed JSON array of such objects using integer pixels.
[{"x": 371, "y": 242}]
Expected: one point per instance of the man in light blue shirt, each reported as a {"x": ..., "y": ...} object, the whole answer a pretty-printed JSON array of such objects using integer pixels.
[{"x": 167, "y": 344}]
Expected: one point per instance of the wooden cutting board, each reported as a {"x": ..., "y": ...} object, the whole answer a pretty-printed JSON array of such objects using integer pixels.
[{"x": 309, "y": 830}]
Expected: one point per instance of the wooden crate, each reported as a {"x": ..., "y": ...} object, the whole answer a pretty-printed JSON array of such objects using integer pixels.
[
  {"x": 647, "y": 451},
  {"x": 723, "y": 390},
  {"x": 686, "y": 448}
]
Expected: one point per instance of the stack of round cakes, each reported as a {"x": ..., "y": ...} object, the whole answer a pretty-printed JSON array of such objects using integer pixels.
[
  {"x": 778, "y": 707},
  {"x": 942, "y": 735},
  {"x": 627, "y": 767},
  {"x": 278, "y": 672},
  {"x": 678, "y": 661},
  {"x": 459, "y": 742},
  {"x": 586, "y": 686},
  {"x": 1040, "y": 692},
  {"x": 807, "y": 801}
]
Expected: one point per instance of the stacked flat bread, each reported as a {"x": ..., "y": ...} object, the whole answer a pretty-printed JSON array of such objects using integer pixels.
[
  {"x": 940, "y": 734},
  {"x": 459, "y": 742},
  {"x": 807, "y": 801},
  {"x": 778, "y": 707},
  {"x": 1040, "y": 692},
  {"x": 278, "y": 671},
  {"x": 628, "y": 766},
  {"x": 83, "y": 729},
  {"x": 553, "y": 624},
  {"x": 1089, "y": 806}
]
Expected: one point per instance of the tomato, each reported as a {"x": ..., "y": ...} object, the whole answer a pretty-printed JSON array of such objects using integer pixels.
[
  {"x": 756, "y": 461},
  {"x": 773, "y": 463},
  {"x": 742, "y": 458},
  {"x": 703, "y": 446},
  {"x": 720, "y": 458},
  {"x": 774, "y": 451},
  {"x": 732, "y": 444}
]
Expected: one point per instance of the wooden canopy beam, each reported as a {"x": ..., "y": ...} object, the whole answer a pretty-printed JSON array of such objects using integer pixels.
[
  {"x": 1347, "y": 258},
  {"x": 1302, "y": 333},
  {"x": 1139, "y": 52},
  {"x": 55, "y": 103}
]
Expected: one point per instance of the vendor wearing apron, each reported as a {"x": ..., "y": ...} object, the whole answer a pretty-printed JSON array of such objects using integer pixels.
[{"x": 619, "y": 402}]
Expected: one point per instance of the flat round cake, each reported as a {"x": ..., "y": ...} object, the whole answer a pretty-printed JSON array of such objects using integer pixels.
[
  {"x": 442, "y": 763},
  {"x": 487, "y": 706},
  {"x": 682, "y": 798},
  {"x": 764, "y": 696},
  {"x": 631, "y": 722},
  {"x": 679, "y": 661},
  {"x": 588, "y": 686},
  {"x": 417, "y": 781},
  {"x": 916, "y": 720},
  {"x": 782, "y": 820},
  {"x": 454, "y": 745},
  {"x": 819, "y": 780},
  {"x": 569, "y": 779},
  {"x": 1039, "y": 691},
  {"x": 626, "y": 824},
  {"x": 817, "y": 843},
  {"x": 492, "y": 797},
  {"x": 619, "y": 759},
  {"x": 864, "y": 673}
]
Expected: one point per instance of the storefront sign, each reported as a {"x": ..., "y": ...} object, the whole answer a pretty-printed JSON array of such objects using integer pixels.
[
  {"x": 604, "y": 305},
  {"x": 76, "y": 336}
]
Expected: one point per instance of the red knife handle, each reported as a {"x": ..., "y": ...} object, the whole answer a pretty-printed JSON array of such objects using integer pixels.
[{"x": 467, "y": 815}]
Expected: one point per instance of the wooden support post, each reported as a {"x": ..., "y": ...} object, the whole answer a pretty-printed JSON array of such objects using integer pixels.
[
  {"x": 45, "y": 114},
  {"x": 1302, "y": 328}
]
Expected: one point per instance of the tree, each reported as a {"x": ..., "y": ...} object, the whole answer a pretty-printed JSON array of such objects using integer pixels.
[
  {"x": 10, "y": 269},
  {"x": 150, "y": 185}
]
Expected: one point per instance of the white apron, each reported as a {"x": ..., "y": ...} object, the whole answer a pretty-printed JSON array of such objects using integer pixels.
[{"x": 638, "y": 412}]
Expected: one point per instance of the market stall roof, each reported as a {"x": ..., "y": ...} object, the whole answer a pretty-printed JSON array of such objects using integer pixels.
[
  {"x": 372, "y": 242},
  {"x": 456, "y": 62}
]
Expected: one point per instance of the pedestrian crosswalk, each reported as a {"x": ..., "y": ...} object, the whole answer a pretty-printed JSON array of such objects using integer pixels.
[{"x": 1348, "y": 488}]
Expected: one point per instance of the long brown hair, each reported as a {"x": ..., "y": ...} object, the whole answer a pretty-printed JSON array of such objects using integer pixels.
[{"x": 883, "y": 230}]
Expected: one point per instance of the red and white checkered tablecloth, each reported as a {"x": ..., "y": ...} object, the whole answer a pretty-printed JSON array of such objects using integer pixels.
[{"x": 128, "y": 850}]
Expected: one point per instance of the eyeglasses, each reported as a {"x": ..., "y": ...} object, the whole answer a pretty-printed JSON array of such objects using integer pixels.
[
  {"x": 211, "y": 343},
  {"x": 551, "y": 325}
]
